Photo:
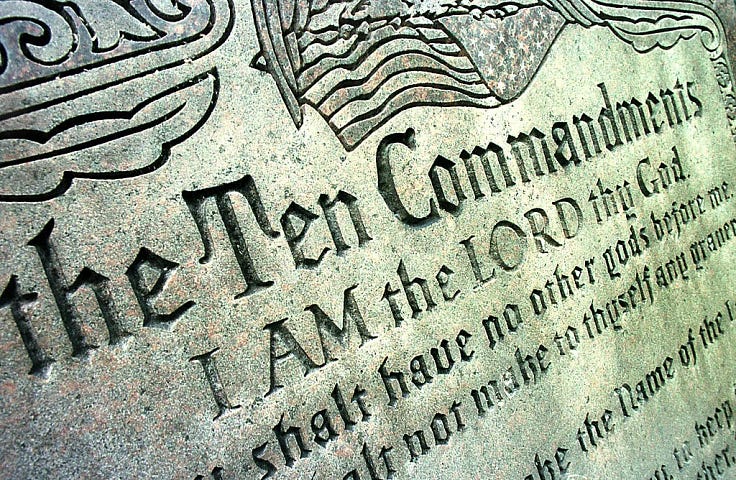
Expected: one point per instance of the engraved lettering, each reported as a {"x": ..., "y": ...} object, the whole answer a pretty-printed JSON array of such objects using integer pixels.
[
  {"x": 196, "y": 201},
  {"x": 147, "y": 294},
  {"x": 64, "y": 293},
  {"x": 41, "y": 361},
  {"x": 209, "y": 366}
]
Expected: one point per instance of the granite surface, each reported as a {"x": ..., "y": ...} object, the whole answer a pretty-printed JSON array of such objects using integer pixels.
[{"x": 352, "y": 239}]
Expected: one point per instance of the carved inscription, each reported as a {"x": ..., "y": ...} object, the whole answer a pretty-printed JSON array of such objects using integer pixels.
[
  {"x": 625, "y": 267},
  {"x": 532, "y": 282}
]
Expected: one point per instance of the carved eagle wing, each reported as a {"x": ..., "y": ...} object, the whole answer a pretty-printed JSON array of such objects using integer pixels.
[{"x": 647, "y": 24}]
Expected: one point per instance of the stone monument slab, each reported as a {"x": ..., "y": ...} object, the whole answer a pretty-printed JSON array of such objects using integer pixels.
[{"x": 367, "y": 240}]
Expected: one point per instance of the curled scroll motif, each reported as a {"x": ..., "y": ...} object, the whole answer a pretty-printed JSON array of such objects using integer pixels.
[
  {"x": 83, "y": 81},
  {"x": 43, "y": 40},
  {"x": 359, "y": 63},
  {"x": 724, "y": 76},
  {"x": 43, "y": 36}
]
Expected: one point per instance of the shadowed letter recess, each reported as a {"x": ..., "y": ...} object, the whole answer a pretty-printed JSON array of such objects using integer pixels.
[
  {"x": 196, "y": 200},
  {"x": 64, "y": 293},
  {"x": 213, "y": 378}
]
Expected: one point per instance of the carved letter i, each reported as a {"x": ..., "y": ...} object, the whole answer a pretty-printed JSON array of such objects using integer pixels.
[{"x": 213, "y": 378}]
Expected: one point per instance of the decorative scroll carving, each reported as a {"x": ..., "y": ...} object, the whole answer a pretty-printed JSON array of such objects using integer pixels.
[
  {"x": 41, "y": 41},
  {"x": 726, "y": 83},
  {"x": 93, "y": 61}
]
